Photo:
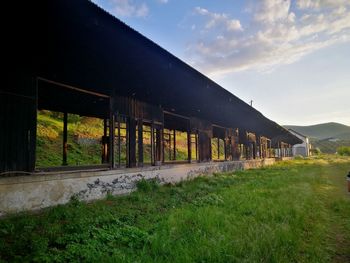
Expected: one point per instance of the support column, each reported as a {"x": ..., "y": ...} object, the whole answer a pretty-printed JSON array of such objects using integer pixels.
[
  {"x": 152, "y": 145},
  {"x": 232, "y": 146},
  {"x": 18, "y": 119},
  {"x": 261, "y": 148},
  {"x": 174, "y": 150},
  {"x": 132, "y": 142},
  {"x": 159, "y": 143},
  {"x": 280, "y": 150},
  {"x": 65, "y": 138},
  {"x": 189, "y": 146},
  {"x": 104, "y": 142},
  {"x": 254, "y": 150},
  {"x": 218, "y": 143},
  {"x": 204, "y": 144},
  {"x": 111, "y": 139},
  {"x": 140, "y": 141},
  {"x": 119, "y": 143}
]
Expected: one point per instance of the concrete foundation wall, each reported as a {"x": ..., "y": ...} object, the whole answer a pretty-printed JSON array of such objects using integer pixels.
[{"x": 48, "y": 189}]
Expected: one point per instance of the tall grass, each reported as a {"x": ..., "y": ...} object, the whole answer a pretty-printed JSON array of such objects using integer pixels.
[{"x": 295, "y": 211}]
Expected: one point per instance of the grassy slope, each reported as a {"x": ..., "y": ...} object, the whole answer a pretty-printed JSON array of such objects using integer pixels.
[
  {"x": 49, "y": 141},
  {"x": 295, "y": 211}
]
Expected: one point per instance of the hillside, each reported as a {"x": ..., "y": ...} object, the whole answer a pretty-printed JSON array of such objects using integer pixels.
[
  {"x": 328, "y": 137},
  {"x": 84, "y": 142},
  {"x": 327, "y": 146},
  {"x": 323, "y": 131}
]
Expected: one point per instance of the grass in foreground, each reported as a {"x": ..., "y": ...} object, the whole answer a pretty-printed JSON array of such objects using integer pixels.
[{"x": 297, "y": 211}]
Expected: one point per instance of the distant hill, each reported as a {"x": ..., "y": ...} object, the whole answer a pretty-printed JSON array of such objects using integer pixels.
[
  {"x": 323, "y": 131},
  {"x": 327, "y": 146},
  {"x": 326, "y": 136}
]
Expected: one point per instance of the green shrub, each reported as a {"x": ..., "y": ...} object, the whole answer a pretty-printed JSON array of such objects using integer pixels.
[
  {"x": 344, "y": 150},
  {"x": 316, "y": 151},
  {"x": 147, "y": 185}
]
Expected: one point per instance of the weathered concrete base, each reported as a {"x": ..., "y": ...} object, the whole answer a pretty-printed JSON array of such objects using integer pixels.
[{"x": 48, "y": 189}]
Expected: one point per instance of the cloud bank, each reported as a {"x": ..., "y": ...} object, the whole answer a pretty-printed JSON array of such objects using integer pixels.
[
  {"x": 128, "y": 8},
  {"x": 279, "y": 32}
]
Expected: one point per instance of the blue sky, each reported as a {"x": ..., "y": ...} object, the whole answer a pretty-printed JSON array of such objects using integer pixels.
[{"x": 292, "y": 58}]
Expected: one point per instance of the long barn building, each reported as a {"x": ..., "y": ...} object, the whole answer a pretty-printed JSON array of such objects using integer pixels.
[{"x": 73, "y": 57}]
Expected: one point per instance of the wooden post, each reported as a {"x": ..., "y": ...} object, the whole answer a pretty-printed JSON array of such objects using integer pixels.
[
  {"x": 208, "y": 153},
  {"x": 218, "y": 143},
  {"x": 196, "y": 144},
  {"x": 119, "y": 142},
  {"x": 163, "y": 146},
  {"x": 189, "y": 146},
  {"x": 174, "y": 140},
  {"x": 111, "y": 140},
  {"x": 169, "y": 141},
  {"x": 204, "y": 146},
  {"x": 152, "y": 145},
  {"x": 104, "y": 143},
  {"x": 158, "y": 146},
  {"x": 279, "y": 150},
  {"x": 132, "y": 142},
  {"x": 65, "y": 138},
  {"x": 254, "y": 150},
  {"x": 226, "y": 140},
  {"x": 140, "y": 142}
]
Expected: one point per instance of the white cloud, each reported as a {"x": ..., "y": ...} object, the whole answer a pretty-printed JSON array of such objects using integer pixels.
[
  {"x": 127, "y": 8},
  {"x": 316, "y": 4},
  {"x": 216, "y": 19},
  {"x": 277, "y": 35},
  {"x": 303, "y": 4},
  {"x": 270, "y": 11},
  {"x": 234, "y": 25}
]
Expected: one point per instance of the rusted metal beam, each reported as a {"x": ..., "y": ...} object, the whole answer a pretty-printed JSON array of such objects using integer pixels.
[
  {"x": 73, "y": 88},
  {"x": 177, "y": 115}
]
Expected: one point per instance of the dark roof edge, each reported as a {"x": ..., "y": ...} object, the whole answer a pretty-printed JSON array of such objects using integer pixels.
[{"x": 298, "y": 133}]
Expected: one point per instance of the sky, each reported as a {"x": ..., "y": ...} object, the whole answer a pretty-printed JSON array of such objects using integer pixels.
[{"x": 291, "y": 58}]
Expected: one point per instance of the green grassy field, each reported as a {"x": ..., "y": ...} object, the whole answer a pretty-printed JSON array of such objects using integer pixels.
[{"x": 295, "y": 211}]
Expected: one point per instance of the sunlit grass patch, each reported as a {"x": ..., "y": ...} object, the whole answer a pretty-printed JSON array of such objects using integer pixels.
[{"x": 295, "y": 211}]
